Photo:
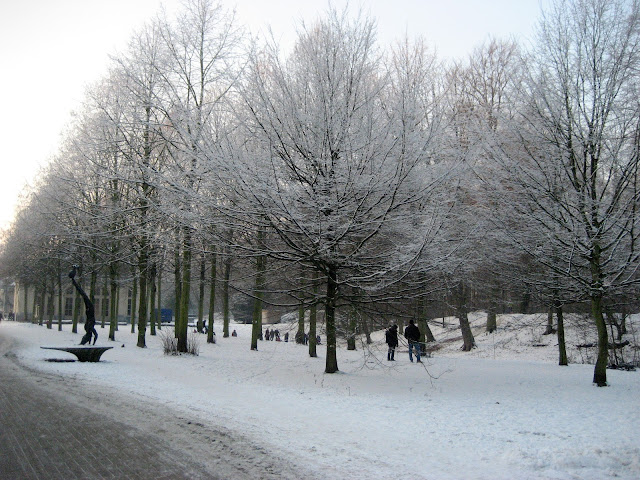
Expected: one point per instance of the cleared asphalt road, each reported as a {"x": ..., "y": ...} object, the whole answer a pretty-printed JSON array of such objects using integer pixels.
[{"x": 52, "y": 428}]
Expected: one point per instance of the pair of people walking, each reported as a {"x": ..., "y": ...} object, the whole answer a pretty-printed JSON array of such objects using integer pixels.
[{"x": 411, "y": 333}]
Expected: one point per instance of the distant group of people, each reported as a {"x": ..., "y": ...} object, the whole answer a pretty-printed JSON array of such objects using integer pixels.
[
  {"x": 305, "y": 339},
  {"x": 411, "y": 333},
  {"x": 10, "y": 316},
  {"x": 274, "y": 334},
  {"x": 201, "y": 326}
]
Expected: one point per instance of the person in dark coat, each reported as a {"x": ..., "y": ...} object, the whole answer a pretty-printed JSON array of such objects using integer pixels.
[
  {"x": 412, "y": 334},
  {"x": 391, "y": 337},
  {"x": 90, "y": 322}
]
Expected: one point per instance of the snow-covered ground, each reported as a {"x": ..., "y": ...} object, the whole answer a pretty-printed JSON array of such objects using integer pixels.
[{"x": 503, "y": 411}]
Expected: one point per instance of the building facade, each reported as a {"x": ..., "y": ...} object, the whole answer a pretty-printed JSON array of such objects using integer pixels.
[{"x": 32, "y": 304}]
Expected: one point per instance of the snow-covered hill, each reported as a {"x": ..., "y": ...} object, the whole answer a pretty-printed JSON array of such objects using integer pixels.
[
  {"x": 521, "y": 337},
  {"x": 503, "y": 411}
]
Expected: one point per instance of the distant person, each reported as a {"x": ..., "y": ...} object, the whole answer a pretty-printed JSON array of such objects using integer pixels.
[
  {"x": 412, "y": 334},
  {"x": 286, "y": 337},
  {"x": 318, "y": 340},
  {"x": 266, "y": 334},
  {"x": 90, "y": 322},
  {"x": 391, "y": 337},
  {"x": 234, "y": 333}
]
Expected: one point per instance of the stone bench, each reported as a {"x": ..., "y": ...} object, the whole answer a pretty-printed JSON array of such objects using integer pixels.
[{"x": 84, "y": 354}]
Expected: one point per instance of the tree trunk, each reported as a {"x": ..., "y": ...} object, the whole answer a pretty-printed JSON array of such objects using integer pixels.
[
  {"x": 611, "y": 322},
  {"x": 330, "y": 319},
  {"x": 142, "y": 311},
  {"x": 117, "y": 307},
  {"x": 313, "y": 317},
  {"x": 492, "y": 311},
  {"x": 152, "y": 297},
  {"x": 424, "y": 323},
  {"x": 600, "y": 370},
  {"x": 185, "y": 292},
  {"x": 37, "y": 308},
  {"x": 612, "y": 319},
  {"x": 301, "y": 310},
  {"x": 364, "y": 321},
  {"x": 105, "y": 301},
  {"x": 50, "y": 308},
  {"x": 159, "y": 301},
  {"x": 492, "y": 322},
  {"x": 225, "y": 297},
  {"x": 300, "y": 331},
  {"x": 203, "y": 271},
  {"x": 428, "y": 332},
  {"x": 26, "y": 302},
  {"x": 256, "y": 327},
  {"x": 549, "y": 330},
  {"x": 422, "y": 326},
  {"x": 352, "y": 321},
  {"x": 76, "y": 311},
  {"x": 256, "y": 321},
  {"x": 524, "y": 304},
  {"x": 562, "y": 348},
  {"x": 113, "y": 308},
  {"x": 465, "y": 328},
  {"x": 60, "y": 311},
  {"x": 177, "y": 290},
  {"x": 134, "y": 302},
  {"x": 212, "y": 296}
]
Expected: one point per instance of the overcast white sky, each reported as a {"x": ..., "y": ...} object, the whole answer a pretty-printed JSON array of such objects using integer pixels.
[{"x": 51, "y": 49}]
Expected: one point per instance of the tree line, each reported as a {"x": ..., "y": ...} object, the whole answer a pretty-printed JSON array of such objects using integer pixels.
[{"x": 363, "y": 181}]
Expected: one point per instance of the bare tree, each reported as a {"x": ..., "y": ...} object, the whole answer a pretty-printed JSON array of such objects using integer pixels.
[
  {"x": 342, "y": 193},
  {"x": 576, "y": 165},
  {"x": 203, "y": 50}
]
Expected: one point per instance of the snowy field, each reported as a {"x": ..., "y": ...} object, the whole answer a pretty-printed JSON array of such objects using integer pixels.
[{"x": 503, "y": 411}]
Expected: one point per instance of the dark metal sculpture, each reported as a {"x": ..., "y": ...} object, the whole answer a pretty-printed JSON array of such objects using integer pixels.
[{"x": 90, "y": 323}]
